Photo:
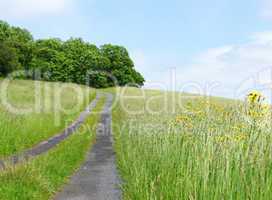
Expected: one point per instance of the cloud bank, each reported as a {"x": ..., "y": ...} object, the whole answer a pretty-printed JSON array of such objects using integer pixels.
[
  {"x": 229, "y": 71},
  {"x": 235, "y": 68}
]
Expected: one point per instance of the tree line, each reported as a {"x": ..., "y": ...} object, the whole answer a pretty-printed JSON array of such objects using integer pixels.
[{"x": 74, "y": 60}]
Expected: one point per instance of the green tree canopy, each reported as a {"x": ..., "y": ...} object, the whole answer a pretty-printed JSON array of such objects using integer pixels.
[
  {"x": 73, "y": 60},
  {"x": 8, "y": 59}
]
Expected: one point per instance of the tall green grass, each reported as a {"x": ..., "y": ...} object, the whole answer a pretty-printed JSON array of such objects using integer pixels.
[
  {"x": 204, "y": 149},
  {"x": 42, "y": 177},
  {"x": 58, "y": 105}
]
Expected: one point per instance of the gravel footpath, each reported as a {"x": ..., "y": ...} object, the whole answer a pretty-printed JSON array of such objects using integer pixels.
[{"x": 97, "y": 179}]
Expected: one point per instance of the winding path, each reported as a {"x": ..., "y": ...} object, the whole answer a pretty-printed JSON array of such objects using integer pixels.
[
  {"x": 52, "y": 142},
  {"x": 97, "y": 178}
]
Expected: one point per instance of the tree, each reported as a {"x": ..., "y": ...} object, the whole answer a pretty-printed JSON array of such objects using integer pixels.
[
  {"x": 82, "y": 57},
  {"x": 20, "y": 40},
  {"x": 8, "y": 59},
  {"x": 121, "y": 65},
  {"x": 73, "y": 60},
  {"x": 98, "y": 79},
  {"x": 138, "y": 78},
  {"x": 4, "y": 30},
  {"x": 48, "y": 59}
]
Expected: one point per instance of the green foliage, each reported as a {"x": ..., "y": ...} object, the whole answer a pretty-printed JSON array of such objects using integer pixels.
[
  {"x": 8, "y": 59},
  {"x": 121, "y": 65},
  {"x": 98, "y": 79},
  {"x": 47, "y": 59},
  {"x": 20, "y": 40},
  {"x": 73, "y": 60}
]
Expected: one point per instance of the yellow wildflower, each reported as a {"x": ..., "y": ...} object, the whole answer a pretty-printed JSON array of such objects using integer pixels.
[{"x": 256, "y": 107}]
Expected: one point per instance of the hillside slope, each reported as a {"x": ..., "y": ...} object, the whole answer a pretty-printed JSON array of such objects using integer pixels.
[
  {"x": 180, "y": 146},
  {"x": 32, "y": 111}
]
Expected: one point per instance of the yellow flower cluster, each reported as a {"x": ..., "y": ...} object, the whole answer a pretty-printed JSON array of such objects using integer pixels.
[
  {"x": 256, "y": 107},
  {"x": 222, "y": 120},
  {"x": 185, "y": 120},
  {"x": 182, "y": 118},
  {"x": 255, "y": 97}
]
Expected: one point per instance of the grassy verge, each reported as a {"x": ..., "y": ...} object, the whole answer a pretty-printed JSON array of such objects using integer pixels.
[
  {"x": 53, "y": 107},
  {"x": 208, "y": 148},
  {"x": 44, "y": 176}
]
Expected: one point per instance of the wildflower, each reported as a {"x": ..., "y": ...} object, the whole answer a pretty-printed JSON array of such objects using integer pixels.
[
  {"x": 182, "y": 118},
  {"x": 255, "y": 97},
  {"x": 185, "y": 121},
  {"x": 256, "y": 107}
]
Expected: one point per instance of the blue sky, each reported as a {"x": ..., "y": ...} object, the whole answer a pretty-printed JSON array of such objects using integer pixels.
[{"x": 218, "y": 44}]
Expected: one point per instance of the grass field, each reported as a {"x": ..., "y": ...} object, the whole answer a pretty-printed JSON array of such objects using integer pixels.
[
  {"x": 31, "y": 112},
  {"x": 173, "y": 146},
  {"x": 168, "y": 145},
  {"x": 42, "y": 177}
]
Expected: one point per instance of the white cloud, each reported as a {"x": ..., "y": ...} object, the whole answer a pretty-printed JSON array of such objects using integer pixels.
[
  {"x": 32, "y": 8},
  {"x": 230, "y": 70},
  {"x": 262, "y": 37},
  {"x": 237, "y": 68}
]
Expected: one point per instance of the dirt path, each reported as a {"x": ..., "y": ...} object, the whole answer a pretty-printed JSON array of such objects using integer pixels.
[
  {"x": 97, "y": 178},
  {"x": 52, "y": 142}
]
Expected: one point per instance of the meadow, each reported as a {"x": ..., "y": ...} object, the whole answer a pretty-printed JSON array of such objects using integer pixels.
[
  {"x": 42, "y": 177},
  {"x": 181, "y": 146},
  {"x": 33, "y": 111},
  {"x": 168, "y": 145}
]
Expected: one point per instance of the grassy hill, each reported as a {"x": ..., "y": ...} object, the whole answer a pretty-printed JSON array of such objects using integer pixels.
[
  {"x": 181, "y": 146},
  {"x": 32, "y": 111},
  {"x": 41, "y": 177},
  {"x": 169, "y": 146}
]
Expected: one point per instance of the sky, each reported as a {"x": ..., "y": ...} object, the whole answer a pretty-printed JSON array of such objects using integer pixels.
[{"x": 214, "y": 47}]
